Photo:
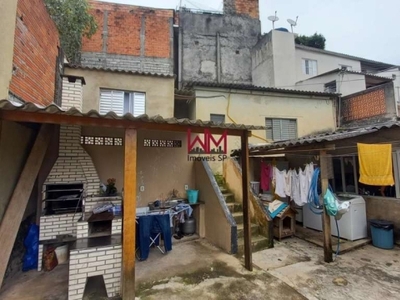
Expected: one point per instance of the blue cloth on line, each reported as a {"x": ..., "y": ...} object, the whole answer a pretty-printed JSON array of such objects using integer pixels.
[{"x": 278, "y": 210}]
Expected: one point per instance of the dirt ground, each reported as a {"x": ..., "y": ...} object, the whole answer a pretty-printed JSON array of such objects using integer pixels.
[{"x": 365, "y": 273}]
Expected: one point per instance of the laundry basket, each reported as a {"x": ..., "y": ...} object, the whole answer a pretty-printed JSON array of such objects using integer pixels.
[{"x": 382, "y": 234}]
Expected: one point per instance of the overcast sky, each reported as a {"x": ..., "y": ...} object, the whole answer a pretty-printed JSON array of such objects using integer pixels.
[{"x": 366, "y": 28}]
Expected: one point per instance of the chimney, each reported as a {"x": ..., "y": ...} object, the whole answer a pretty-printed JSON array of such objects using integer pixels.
[
  {"x": 249, "y": 8},
  {"x": 72, "y": 92}
]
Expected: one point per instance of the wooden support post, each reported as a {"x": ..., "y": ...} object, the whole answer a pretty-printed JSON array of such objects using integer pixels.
[
  {"x": 20, "y": 197},
  {"x": 129, "y": 216},
  {"x": 246, "y": 211},
  {"x": 326, "y": 219}
]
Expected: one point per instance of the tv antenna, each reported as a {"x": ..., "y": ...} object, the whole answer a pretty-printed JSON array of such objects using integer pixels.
[
  {"x": 293, "y": 23},
  {"x": 273, "y": 19}
]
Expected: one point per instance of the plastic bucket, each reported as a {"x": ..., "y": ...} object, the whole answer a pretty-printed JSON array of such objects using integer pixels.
[
  {"x": 382, "y": 234},
  {"x": 62, "y": 254},
  {"x": 255, "y": 186},
  {"x": 193, "y": 196}
]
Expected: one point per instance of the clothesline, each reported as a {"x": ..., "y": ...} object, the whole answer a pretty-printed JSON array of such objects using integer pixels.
[{"x": 336, "y": 148}]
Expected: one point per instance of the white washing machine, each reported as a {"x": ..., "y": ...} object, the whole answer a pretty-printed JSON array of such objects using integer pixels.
[
  {"x": 310, "y": 219},
  {"x": 352, "y": 225}
]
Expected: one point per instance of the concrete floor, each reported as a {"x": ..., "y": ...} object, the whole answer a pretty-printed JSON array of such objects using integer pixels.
[
  {"x": 197, "y": 270},
  {"x": 365, "y": 273},
  {"x": 192, "y": 270}
]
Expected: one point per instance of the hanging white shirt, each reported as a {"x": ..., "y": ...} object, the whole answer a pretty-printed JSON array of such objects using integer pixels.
[
  {"x": 279, "y": 177},
  {"x": 295, "y": 188},
  {"x": 288, "y": 183},
  {"x": 305, "y": 181}
]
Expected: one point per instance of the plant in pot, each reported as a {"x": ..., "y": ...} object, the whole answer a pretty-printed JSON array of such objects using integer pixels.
[{"x": 111, "y": 190}]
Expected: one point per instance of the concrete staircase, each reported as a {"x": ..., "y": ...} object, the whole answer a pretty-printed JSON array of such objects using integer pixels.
[{"x": 258, "y": 242}]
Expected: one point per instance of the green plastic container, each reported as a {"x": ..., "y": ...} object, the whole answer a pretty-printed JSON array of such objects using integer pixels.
[{"x": 193, "y": 196}]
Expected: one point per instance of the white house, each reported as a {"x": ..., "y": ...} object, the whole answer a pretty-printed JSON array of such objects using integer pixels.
[{"x": 278, "y": 62}]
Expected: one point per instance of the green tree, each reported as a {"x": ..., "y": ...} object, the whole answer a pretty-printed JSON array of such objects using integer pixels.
[
  {"x": 73, "y": 22},
  {"x": 316, "y": 40}
]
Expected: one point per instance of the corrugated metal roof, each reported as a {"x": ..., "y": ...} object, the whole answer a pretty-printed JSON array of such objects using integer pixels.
[
  {"x": 72, "y": 66},
  {"x": 257, "y": 88},
  {"x": 337, "y": 70},
  {"x": 325, "y": 137},
  {"x": 56, "y": 110},
  {"x": 370, "y": 61}
]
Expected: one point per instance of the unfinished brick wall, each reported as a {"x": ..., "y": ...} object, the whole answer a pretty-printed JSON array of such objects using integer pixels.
[
  {"x": 35, "y": 53},
  {"x": 130, "y": 30},
  {"x": 242, "y": 7}
]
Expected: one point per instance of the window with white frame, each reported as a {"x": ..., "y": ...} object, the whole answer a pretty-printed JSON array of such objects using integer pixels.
[
  {"x": 217, "y": 118},
  {"x": 310, "y": 67},
  {"x": 122, "y": 102},
  {"x": 281, "y": 129}
]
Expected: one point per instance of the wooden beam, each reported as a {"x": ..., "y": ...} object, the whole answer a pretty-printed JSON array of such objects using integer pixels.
[
  {"x": 20, "y": 196},
  {"x": 246, "y": 211},
  {"x": 343, "y": 175},
  {"x": 355, "y": 173},
  {"x": 326, "y": 219},
  {"x": 129, "y": 216},
  {"x": 49, "y": 118}
]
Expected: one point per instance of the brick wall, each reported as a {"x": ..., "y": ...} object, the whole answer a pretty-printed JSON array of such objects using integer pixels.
[
  {"x": 72, "y": 93},
  {"x": 74, "y": 164},
  {"x": 242, "y": 7},
  {"x": 130, "y": 38},
  {"x": 127, "y": 26},
  {"x": 100, "y": 261},
  {"x": 364, "y": 105},
  {"x": 35, "y": 53},
  {"x": 54, "y": 225}
]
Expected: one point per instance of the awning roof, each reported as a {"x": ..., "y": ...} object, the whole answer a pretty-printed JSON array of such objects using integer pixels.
[
  {"x": 31, "y": 112},
  {"x": 337, "y": 70},
  {"x": 248, "y": 87},
  {"x": 320, "y": 138}
]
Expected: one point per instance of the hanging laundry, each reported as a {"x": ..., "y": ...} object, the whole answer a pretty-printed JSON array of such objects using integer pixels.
[
  {"x": 295, "y": 188},
  {"x": 279, "y": 177},
  {"x": 375, "y": 164},
  {"x": 266, "y": 176},
  {"x": 288, "y": 183},
  {"x": 305, "y": 182}
]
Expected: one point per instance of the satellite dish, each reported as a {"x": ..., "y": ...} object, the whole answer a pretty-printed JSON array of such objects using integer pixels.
[
  {"x": 293, "y": 23},
  {"x": 273, "y": 19}
]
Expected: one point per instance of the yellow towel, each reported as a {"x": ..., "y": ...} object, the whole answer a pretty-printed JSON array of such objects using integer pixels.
[{"x": 375, "y": 164}]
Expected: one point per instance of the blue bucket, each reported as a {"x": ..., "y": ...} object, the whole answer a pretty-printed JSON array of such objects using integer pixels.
[
  {"x": 193, "y": 196},
  {"x": 382, "y": 234}
]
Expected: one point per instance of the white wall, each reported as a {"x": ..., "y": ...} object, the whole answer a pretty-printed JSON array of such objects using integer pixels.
[
  {"x": 396, "y": 82},
  {"x": 274, "y": 60},
  {"x": 346, "y": 84},
  {"x": 313, "y": 114},
  {"x": 325, "y": 63}
]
